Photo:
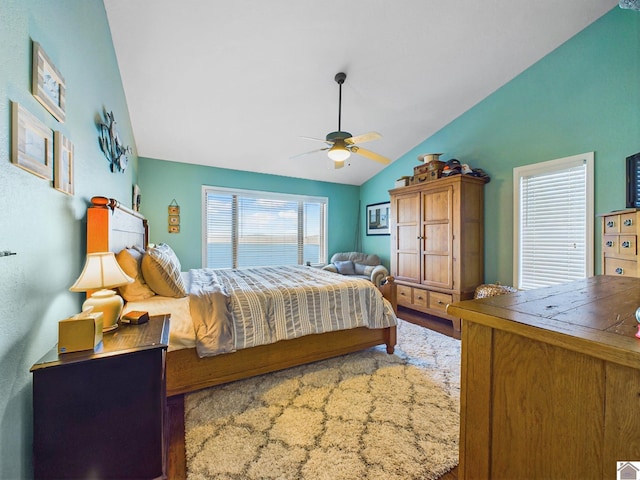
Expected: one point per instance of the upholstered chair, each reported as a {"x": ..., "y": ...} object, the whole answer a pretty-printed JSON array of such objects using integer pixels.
[{"x": 358, "y": 264}]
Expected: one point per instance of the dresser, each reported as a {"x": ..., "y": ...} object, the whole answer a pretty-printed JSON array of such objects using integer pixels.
[
  {"x": 102, "y": 414},
  {"x": 437, "y": 243},
  {"x": 550, "y": 381},
  {"x": 619, "y": 243}
]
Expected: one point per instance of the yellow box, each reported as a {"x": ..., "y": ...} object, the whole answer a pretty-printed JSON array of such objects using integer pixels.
[{"x": 80, "y": 333}]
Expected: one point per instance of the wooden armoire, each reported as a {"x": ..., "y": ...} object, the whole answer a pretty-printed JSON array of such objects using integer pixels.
[{"x": 437, "y": 235}]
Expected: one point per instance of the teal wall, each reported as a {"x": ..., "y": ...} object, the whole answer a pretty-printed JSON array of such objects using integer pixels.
[
  {"x": 585, "y": 96},
  {"x": 162, "y": 181},
  {"x": 45, "y": 227},
  {"x": 582, "y": 97}
]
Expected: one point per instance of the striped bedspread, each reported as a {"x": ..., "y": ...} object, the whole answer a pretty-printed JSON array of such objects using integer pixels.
[{"x": 268, "y": 304}]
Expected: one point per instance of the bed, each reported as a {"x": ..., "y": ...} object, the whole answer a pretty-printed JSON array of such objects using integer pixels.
[{"x": 113, "y": 227}]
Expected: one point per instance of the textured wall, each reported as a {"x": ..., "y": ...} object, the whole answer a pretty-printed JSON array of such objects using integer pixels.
[
  {"x": 162, "y": 181},
  {"x": 45, "y": 227},
  {"x": 582, "y": 97}
]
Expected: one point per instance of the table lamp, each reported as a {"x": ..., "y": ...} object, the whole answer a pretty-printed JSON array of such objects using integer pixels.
[{"x": 102, "y": 272}]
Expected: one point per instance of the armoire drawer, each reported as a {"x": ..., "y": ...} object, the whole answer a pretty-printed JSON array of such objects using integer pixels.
[
  {"x": 412, "y": 297},
  {"x": 439, "y": 301}
]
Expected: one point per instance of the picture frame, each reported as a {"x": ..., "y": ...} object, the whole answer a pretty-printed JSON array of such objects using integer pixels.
[
  {"x": 47, "y": 84},
  {"x": 136, "y": 198},
  {"x": 31, "y": 143},
  {"x": 63, "y": 159},
  {"x": 633, "y": 181},
  {"x": 378, "y": 218}
]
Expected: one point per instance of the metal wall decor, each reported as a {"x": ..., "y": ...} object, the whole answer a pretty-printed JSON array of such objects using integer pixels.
[
  {"x": 112, "y": 146},
  {"x": 174, "y": 217}
]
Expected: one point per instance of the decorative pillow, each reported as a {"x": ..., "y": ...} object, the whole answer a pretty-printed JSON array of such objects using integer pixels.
[
  {"x": 161, "y": 270},
  {"x": 345, "y": 267},
  {"x": 360, "y": 268},
  {"x": 368, "y": 270},
  {"x": 129, "y": 260}
]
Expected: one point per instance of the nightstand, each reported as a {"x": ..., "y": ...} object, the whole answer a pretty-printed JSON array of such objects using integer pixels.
[{"x": 102, "y": 414}]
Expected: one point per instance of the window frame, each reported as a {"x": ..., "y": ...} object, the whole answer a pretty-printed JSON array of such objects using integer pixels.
[
  {"x": 551, "y": 166},
  {"x": 260, "y": 194}
]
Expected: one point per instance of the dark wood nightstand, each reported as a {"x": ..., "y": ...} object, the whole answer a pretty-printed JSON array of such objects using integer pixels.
[{"x": 102, "y": 414}]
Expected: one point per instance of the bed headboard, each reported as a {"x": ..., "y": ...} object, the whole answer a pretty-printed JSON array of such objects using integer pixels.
[{"x": 112, "y": 227}]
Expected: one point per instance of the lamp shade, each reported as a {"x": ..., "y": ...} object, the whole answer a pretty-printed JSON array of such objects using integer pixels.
[
  {"x": 339, "y": 152},
  {"x": 101, "y": 270}
]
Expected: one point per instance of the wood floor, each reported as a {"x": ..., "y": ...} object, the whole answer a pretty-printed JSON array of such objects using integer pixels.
[{"x": 176, "y": 461}]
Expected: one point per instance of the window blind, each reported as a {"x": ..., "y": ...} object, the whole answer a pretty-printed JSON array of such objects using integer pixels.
[
  {"x": 555, "y": 226},
  {"x": 247, "y": 228}
]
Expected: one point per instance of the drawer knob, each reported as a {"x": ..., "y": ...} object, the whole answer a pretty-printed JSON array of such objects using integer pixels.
[
  {"x": 619, "y": 271},
  {"x": 609, "y": 243},
  {"x": 610, "y": 224},
  {"x": 626, "y": 244},
  {"x": 628, "y": 222}
]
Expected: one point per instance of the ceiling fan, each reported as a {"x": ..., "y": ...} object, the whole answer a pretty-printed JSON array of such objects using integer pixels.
[{"x": 341, "y": 145}]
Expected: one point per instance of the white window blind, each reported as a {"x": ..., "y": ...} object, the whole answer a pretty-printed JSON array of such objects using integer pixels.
[
  {"x": 245, "y": 228},
  {"x": 553, "y": 224}
]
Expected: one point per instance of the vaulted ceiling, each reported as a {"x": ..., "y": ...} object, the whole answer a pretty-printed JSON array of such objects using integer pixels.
[{"x": 236, "y": 84}]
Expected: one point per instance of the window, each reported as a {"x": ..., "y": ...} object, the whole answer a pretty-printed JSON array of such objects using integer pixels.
[
  {"x": 247, "y": 228},
  {"x": 553, "y": 221}
]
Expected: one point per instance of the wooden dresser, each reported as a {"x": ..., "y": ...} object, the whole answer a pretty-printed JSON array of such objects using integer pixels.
[
  {"x": 437, "y": 249},
  {"x": 550, "y": 383},
  {"x": 619, "y": 243}
]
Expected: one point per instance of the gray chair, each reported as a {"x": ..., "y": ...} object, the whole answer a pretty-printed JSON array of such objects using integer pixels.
[{"x": 359, "y": 265}]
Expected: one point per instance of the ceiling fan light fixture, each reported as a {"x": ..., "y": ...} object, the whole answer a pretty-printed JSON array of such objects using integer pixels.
[{"x": 339, "y": 153}]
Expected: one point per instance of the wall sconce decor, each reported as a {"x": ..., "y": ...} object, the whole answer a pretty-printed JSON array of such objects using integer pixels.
[
  {"x": 174, "y": 217},
  {"x": 112, "y": 146}
]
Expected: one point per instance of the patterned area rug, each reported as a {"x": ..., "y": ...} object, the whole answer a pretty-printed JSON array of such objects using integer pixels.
[{"x": 366, "y": 415}]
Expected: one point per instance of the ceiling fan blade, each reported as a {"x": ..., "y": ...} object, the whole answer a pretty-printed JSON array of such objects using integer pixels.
[
  {"x": 318, "y": 140},
  {"x": 370, "y": 155},
  {"x": 308, "y": 153},
  {"x": 365, "y": 137}
]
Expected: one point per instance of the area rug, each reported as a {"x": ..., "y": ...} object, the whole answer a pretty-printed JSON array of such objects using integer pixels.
[{"x": 366, "y": 415}]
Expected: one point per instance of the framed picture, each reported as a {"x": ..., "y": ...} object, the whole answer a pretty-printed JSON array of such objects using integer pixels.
[
  {"x": 62, "y": 163},
  {"x": 137, "y": 198},
  {"x": 31, "y": 143},
  {"x": 47, "y": 84},
  {"x": 378, "y": 219}
]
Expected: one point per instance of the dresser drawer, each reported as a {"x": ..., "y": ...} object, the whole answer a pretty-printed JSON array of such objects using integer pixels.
[
  {"x": 617, "y": 266},
  {"x": 628, "y": 223},
  {"x": 628, "y": 245},
  {"x": 611, "y": 244},
  {"x": 439, "y": 301},
  {"x": 612, "y": 224}
]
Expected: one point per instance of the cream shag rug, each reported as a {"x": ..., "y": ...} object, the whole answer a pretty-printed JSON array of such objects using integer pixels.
[{"x": 366, "y": 415}]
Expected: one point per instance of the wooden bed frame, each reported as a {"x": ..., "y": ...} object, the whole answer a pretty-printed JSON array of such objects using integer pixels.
[{"x": 112, "y": 227}]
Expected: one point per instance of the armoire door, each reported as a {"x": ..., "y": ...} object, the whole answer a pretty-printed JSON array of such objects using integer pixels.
[
  {"x": 405, "y": 243},
  {"x": 437, "y": 237}
]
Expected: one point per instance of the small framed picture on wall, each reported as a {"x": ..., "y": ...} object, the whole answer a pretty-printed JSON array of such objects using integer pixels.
[{"x": 378, "y": 218}]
